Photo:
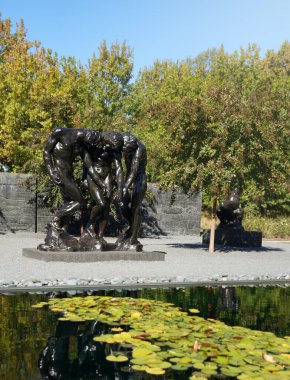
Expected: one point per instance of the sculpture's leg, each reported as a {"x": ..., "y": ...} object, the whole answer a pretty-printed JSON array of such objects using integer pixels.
[
  {"x": 135, "y": 211},
  {"x": 63, "y": 215},
  {"x": 99, "y": 215},
  {"x": 127, "y": 213},
  {"x": 138, "y": 196},
  {"x": 136, "y": 220},
  {"x": 73, "y": 202},
  {"x": 136, "y": 226},
  {"x": 126, "y": 218},
  {"x": 57, "y": 238}
]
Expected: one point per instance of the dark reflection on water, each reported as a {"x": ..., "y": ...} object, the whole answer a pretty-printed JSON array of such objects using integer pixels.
[{"x": 34, "y": 345}]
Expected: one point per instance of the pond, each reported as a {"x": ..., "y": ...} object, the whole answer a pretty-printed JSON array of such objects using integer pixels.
[{"x": 35, "y": 345}]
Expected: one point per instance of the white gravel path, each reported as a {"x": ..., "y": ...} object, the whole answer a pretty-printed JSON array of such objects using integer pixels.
[{"x": 186, "y": 261}]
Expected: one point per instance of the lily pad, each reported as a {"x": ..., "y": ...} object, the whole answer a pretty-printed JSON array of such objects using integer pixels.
[
  {"x": 137, "y": 367},
  {"x": 194, "y": 311},
  {"x": 181, "y": 367},
  {"x": 117, "y": 359},
  {"x": 155, "y": 371}
]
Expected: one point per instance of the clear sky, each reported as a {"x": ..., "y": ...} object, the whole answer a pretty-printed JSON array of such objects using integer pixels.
[{"x": 154, "y": 29}]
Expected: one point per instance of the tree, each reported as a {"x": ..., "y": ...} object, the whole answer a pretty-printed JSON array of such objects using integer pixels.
[
  {"x": 109, "y": 77},
  {"x": 218, "y": 122},
  {"x": 38, "y": 92}
]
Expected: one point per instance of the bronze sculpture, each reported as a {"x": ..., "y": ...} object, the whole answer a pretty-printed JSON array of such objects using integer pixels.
[
  {"x": 230, "y": 211},
  {"x": 135, "y": 157},
  {"x": 61, "y": 149},
  {"x": 101, "y": 154},
  {"x": 100, "y": 158},
  {"x": 230, "y": 231}
]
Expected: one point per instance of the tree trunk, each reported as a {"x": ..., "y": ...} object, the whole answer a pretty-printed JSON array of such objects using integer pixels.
[{"x": 212, "y": 225}]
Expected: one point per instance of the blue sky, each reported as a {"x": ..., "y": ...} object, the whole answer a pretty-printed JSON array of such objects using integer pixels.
[{"x": 154, "y": 29}]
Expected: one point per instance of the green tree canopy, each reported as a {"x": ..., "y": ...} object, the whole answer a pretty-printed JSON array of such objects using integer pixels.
[
  {"x": 109, "y": 77},
  {"x": 218, "y": 121},
  {"x": 39, "y": 91}
]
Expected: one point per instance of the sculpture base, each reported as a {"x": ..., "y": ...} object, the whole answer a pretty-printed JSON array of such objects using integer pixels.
[
  {"x": 90, "y": 256},
  {"x": 61, "y": 241},
  {"x": 234, "y": 237}
]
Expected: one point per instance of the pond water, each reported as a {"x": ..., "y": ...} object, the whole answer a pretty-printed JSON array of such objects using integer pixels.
[{"x": 28, "y": 335}]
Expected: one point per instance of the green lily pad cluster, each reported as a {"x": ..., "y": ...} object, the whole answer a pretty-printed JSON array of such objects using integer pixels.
[{"x": 161, "y": 338}]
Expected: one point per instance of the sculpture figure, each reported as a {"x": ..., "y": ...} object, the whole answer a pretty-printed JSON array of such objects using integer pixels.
[
  {"x": 230, "y": 231},
  {"x": 61, "y": 149},
  {"x": 230, "y": 211},
  {"x": 101, "y": 158},
  {"x": 101, "y": 153},
  {"x": 135, "y": 157}
]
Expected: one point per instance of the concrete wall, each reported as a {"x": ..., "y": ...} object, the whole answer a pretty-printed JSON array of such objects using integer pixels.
[
  {"x": 182, "y": 217},
  {"x": 18, "y": 209}
]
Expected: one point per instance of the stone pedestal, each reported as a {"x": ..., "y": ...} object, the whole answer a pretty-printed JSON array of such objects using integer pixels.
[
  {"x": 92, "y": 256},
  {"x": 234, "y": 237}
]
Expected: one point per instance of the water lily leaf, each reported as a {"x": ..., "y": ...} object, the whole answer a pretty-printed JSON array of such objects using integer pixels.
[
  {"x": 198, "y": 365},
  {"x": 122, "y": 337},
  {"x": 140, "y": 361},
  {"x": 56, "y": 309},
  {"x": 283, "y": 359},
  {"x": 136, "y": 315},
  {"x": 210, "y": 365},
  {"x": 40, "y": 305},
  {"x": 176, "y": 353},
  {"x": 149, "y": 346},
  {"x": 273, "y": 367},
  {"x": 230, "y": 371},
  {"x": 281, "y": 375},
  {"x": 118, "y": 359},
  {"x": 194, "y": 311},
  {"x": 243, "y": 376},
  {"x": 63, "y": 319},
  {"x": 155, "y": 363},
  {"x": 287, "y": 356},
  {"x": 137, "y": 367},
  {"x": 105, "y": 338},
  {"x": 155, "y": 371},
  {"x": 181, "y": 367},
  {"x": 117, "y": 329},
  {"x": 238, "y": 361},
  {"x": 141, "y": 352},
  {"x": 209, "y": 371}
]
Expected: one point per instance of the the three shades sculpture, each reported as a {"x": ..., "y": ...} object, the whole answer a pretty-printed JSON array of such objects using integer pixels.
[{"x": 101, "y": 154}]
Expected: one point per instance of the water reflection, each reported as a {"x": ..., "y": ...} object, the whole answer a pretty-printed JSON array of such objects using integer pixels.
[
  {"x": 25, "y": 333},
  {"x": 72, "y": 354},
  {"x": 262, "y": 308}
]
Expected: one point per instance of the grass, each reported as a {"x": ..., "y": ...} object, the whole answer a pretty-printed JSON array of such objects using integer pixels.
[{"x": 272, "y": 228}]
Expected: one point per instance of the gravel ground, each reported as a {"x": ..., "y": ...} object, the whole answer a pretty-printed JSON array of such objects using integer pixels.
[{"x": 186, "y": 261}]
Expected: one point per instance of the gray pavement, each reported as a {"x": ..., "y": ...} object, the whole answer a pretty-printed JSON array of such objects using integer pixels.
[{"x": 186, "y": 261}]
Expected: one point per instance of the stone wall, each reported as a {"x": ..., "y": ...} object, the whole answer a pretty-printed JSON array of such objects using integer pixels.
[
  {"x": 18, "y": 209},
  {"x": 182, "y": 217}
]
